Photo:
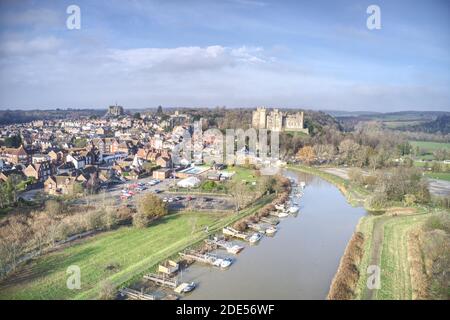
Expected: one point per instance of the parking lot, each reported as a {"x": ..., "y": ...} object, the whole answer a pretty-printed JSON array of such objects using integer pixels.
[{"x": 127, "y": 193}]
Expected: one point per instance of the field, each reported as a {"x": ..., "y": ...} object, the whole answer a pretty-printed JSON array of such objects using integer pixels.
[
  {"x": 243, "y": 174},
  {"x": 429, "y": 146},
  {"x": 439, "y": 175},
  {"x": 129, "y": 251},
  {"x": 390, "y": 253}
]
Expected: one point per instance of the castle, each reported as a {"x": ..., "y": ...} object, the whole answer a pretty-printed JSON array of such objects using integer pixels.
[
  {"x": 115, "y": 111},
  {"x": 276, "y": 120}
]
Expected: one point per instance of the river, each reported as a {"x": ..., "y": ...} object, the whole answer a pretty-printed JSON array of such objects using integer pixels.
[{"x": 299, "y": 262}]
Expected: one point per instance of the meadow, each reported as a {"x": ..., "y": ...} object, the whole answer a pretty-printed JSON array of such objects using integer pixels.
[{"x": 120, "y": 256}]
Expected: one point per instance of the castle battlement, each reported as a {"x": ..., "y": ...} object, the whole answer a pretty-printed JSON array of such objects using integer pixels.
[{"x": 276, "y": 120}]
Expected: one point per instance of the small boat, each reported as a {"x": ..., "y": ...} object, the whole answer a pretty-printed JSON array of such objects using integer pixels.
[
  {"x": 271, "y": 230},
  {"x": 279, "y": 206},
  {"x": 226, "y": 263},
  {"x": 293, "y": 209},
  {"x": 254, "y": 238},
  {"x": 188, "y": 288}
]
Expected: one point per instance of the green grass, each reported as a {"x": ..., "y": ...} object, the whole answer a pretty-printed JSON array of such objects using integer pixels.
[
  {"x": 135, "y": 251},
  {"x": 395, "y": 269},
  {"x": 430, "y": 146},
  {"x": 393, "y": 262},
  {"x": 439, "y": 175}
]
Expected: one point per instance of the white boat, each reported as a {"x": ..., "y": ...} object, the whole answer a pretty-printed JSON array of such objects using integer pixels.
[
  {"x": 279, "y": 206},
  {"x": 293, "y": 209},
  {"x": 226, "y": 263},
  {"x": 235, "y": 249},
  {"x": 254, "y": 238},
  {"x": 271, "y": 230},
  {"x": 222, "y": 262},
  {"x": 188, "y": 287}
]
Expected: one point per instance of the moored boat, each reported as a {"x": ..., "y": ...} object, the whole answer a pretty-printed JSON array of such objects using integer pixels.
[{"x": 254, "y": 238}]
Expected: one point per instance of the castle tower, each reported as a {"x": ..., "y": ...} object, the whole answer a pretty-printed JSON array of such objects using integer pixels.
[{"x": 259, "y": 118}]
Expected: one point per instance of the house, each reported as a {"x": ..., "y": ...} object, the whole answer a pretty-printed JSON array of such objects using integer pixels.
[
  {"x": 16, "y": 155},
  {"x": 161, "y": 174},
  {"x": 39, "y": 171},
  {"x": 82, "y": 158},
  {"x": 5, "y": 174},
  {"x": 38, "y": 158},
  {"x": 56, "y": 157},
  {"x": 67, "y": 167},
  {"x": 57, "y": 185},
  {"x": 163, "y": 162},
  {"x": 77, "y": 160}
]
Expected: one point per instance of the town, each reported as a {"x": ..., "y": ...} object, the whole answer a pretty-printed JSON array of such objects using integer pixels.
[{"x": 224, "y": 150}]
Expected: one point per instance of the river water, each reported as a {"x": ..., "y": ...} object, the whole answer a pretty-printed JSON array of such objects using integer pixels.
[{"x": 299, "y": 262}]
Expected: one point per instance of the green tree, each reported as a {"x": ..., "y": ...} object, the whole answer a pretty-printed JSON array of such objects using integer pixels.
[
  {"x": 149, "y": 208},
  {"x": 13, "y": 142}
]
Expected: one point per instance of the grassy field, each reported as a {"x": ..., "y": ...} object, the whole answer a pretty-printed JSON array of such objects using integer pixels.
[
  {"x": 430, "y": 146},
  {"x": 243, "y": 174},
  {"x": 134, "y": 251},
  {"x": 439, "y": 175},
  {"x": 392, "y": 258}
]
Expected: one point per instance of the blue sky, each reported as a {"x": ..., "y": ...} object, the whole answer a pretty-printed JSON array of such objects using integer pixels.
[{"x": 237, "y": 53}]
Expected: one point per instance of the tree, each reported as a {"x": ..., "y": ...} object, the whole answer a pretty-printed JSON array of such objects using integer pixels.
[
  {"x": 348, "y": 149},
  {"x": 141, "y": 220},
  {"x": 13, "y": 142},
  {"x": 149, "y": 207},
  {"x": 238, "y": 190},
  {"x": 13, "y": 239},
  {"x": 306, "y": 154},
  {"x": 137, "y": 116},
  {"x": 53, "y": 208},
  {"x": 107, "y": 290}
]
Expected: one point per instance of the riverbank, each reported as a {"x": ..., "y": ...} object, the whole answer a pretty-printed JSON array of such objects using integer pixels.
[
  {"x": 386, "y": 245},
  {"x": 120, "y": 256}
]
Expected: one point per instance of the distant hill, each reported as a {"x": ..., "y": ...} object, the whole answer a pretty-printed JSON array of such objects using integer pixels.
[
  {"x": 23, "y": 116},
  {"x": 440, "y": 125},
  {"x": 403, "y": 120}
]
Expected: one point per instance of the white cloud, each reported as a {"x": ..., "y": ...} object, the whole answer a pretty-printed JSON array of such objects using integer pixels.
[
  {"x": 186, "y": 58},
  {"x": 15, "y": 46}
]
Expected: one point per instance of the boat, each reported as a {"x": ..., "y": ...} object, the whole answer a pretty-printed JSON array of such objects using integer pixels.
[
  {"x": 293, "y": 209},
  {"x": 279, "y": 206},
  {"x": 280, "y": 214},
  {"x": 185, "y": 287},
  {"x": 273, "y": 221},
  {"x": 223, "y": 262},
  {"x": 271, "y": 230},
  {"x": 254, "y": 238},
  {"x": 235, "y": 249}
]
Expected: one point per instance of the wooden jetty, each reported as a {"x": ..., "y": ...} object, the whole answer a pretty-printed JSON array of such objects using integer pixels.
[
  {"x": 170, "y": 283},
  {"x": 235, "y": 233},
  {"x": 163, "y": 281},
  {"x": 206, "y": 258},
  {"x": 227, "y": 245},
  {"x": 273, "y": 221},
  {"x": 169, "y": 267},
  {"x": 136, "y": 295}
]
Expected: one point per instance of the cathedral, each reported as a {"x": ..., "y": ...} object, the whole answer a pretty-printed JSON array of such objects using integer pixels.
[{"x": 276, "y": 120}]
